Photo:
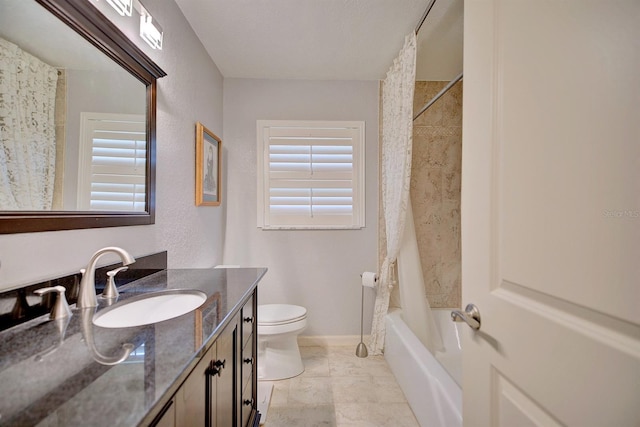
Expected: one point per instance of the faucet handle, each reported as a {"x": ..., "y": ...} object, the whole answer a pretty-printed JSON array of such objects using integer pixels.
[
  {"x": 61, "y": 307},
  {"x": 110, "y": 290}
]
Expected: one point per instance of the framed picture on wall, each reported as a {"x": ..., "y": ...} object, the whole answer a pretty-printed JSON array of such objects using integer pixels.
[{"x": 208, "y": 167}]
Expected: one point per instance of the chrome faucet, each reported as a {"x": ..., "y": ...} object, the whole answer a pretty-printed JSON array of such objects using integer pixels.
[{"x": 87, "y": 294}]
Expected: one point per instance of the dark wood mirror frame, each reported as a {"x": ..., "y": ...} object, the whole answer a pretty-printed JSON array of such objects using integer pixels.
[{"x": 89, "y": 22}]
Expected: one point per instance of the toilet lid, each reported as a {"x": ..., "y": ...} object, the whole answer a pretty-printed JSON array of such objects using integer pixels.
[{"x": 276, "y": 314}]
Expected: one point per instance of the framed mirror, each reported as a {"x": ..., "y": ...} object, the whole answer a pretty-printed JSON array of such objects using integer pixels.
[{"x": 77, "y": 129}]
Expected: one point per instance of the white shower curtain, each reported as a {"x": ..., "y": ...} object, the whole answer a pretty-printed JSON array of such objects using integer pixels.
[
  {"x": 416, "y": 311},
  {"x": 402, "y": 247},
  {"x": 27, "y": 130},
  {"x": 397, "y": 134}
]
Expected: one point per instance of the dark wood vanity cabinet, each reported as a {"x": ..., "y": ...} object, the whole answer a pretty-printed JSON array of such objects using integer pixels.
[
  {"x": 207, "y": 397},
  {"x": 222, "y": 389},
  {"x": 248, "y": 376}
]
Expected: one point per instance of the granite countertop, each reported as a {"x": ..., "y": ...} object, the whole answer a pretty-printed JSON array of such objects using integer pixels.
[{"x": 59, "y": 373}]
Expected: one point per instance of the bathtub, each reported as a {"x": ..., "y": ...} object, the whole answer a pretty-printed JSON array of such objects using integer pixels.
[{"x": 430, "y": 383}]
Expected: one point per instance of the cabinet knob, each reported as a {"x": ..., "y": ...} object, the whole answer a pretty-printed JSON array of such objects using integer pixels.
[
  {"x": 248, "y": 360},
  {"x": 215, "y": 368},
  {"x": 248, "y": 402},
  {"x": 248, "y": 319},
  {"x": 212, "y": 372}
]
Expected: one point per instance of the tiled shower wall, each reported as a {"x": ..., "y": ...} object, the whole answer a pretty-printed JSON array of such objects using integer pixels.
[{"x": 435, "y": 191}]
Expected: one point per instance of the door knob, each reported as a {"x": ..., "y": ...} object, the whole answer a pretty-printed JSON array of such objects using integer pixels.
[{"x": 470, "y": 315}]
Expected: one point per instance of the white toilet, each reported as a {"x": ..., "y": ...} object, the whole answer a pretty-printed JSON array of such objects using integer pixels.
[{"x": 278, "y": 328}]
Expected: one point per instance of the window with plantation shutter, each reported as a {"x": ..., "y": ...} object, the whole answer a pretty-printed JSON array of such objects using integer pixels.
[
  {"x": 112, "y": 172},
  {"x": 310, "y": 174}
]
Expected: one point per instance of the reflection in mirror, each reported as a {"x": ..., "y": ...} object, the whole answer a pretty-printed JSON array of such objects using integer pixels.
[
  {"x": 78, "y": 151},
  {"x": 72, "y": 121}
]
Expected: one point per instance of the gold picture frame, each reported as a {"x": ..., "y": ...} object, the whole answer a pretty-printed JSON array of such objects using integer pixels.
[{"x": 208, "y": 167}]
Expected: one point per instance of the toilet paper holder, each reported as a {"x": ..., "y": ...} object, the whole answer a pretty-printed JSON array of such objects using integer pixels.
[{"x": 361, "y": 349}]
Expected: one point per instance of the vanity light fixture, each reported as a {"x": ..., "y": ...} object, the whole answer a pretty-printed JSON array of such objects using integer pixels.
[
  {"x": 123, "y": 7},
  {"x": 150, "y": 31}
]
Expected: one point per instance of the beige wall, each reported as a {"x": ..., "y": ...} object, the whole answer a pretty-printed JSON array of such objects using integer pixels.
[{"x": 435, "y": 191}]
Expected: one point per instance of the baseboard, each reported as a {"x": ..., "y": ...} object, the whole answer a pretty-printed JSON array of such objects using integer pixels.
[{"x": 330, "y": 340}]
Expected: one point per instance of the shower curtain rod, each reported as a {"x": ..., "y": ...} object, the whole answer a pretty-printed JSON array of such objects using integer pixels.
[
  {"x": 451, "y": 83},
  {"x": 435, "y": 98},
  {"x": 424, "y": 17}
]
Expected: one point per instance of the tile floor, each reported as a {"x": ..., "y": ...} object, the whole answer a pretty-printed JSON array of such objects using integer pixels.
[{"x": 339, "y": 389}]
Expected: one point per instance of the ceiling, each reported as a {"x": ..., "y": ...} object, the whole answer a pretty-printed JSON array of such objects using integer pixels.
[
  {"x": 322, "y": 39},
  {"x": 54, "y": 42}
]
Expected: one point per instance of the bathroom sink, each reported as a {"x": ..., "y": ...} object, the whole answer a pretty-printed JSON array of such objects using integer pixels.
[{"x": 149, "y": 308}]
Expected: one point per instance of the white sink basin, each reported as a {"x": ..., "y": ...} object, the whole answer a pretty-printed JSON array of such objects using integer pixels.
[{"x": 149, "y": 308}]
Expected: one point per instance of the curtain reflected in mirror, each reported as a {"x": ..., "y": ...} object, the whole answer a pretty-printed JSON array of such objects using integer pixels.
[{"x": 27, "y": 130}]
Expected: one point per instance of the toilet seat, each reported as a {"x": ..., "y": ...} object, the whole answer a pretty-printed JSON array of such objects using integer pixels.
[{"x": 280, "y": 314}]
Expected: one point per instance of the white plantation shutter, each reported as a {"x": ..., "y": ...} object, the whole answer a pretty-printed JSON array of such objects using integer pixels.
[
  {"x": 113, "y": 171},
  {"x": 311, "y": 174}
]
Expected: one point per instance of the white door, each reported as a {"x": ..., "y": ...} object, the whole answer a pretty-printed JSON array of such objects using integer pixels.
[{"x": 551, "y": 212}]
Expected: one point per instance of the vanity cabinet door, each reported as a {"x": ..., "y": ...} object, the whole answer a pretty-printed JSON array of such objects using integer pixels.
[
  {"x": 212, "y": 395},
  {"x": 225, "y": 384},
  {"x": 248, "y": 321},
  {"x": 191, "y": 398},
  {"x": 207, "y": 397},
  {"x": 248, "y": 413}
]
